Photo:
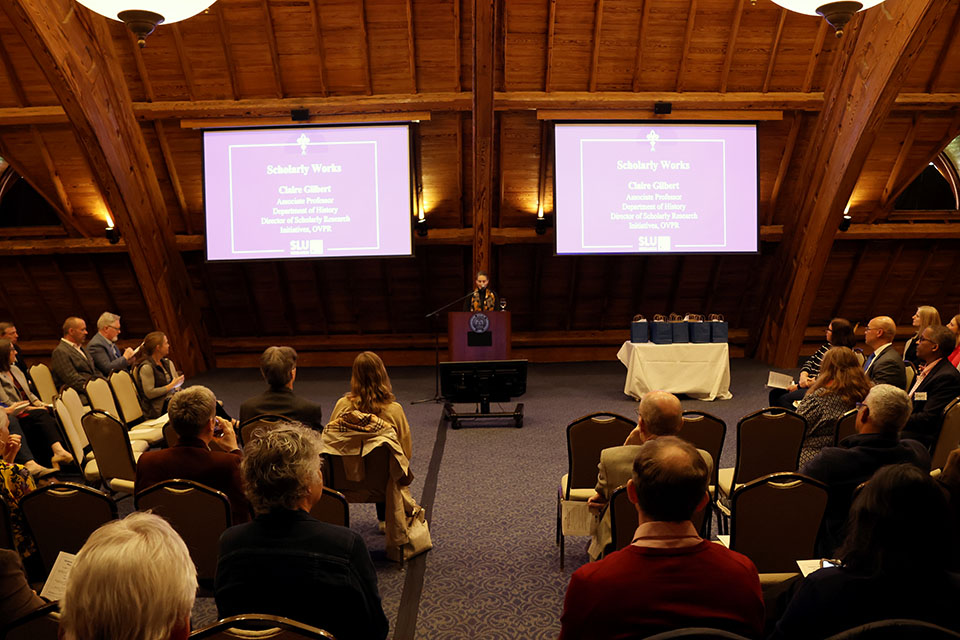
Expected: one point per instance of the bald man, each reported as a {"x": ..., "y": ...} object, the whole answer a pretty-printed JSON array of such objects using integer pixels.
[
  {"x": 884, "y": 365},
  {"x": 658, "y": 414}
]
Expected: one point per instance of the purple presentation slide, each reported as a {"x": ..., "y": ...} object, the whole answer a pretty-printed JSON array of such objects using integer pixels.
[
  {"x": 307, "y": 192},
  {"x": 656, "y": 188}
]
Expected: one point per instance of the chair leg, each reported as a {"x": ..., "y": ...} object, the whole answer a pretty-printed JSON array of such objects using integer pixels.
[
  {"x": 559, "y": 523},
  {"x": 561, "y": 550}
]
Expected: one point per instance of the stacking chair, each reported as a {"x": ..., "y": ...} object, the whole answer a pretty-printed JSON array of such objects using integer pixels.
[
  {"x": 43, "y": 379},
  {"x": 707, "y": 432},
  {"x": 267, "y": 421},
  {"x": 116, "y": 460},
  {"x": 895, "y": 629},
  {"x": 376, "y": 470},
  {"x": 77, "y": 441},
  {"x": 623, "y": 518},
  {"x": 949, "y": 438},
  {"x": 586, "y": 438},
  {"x": 259, "y": 627},
  {"x": 911, "y": 372},
  {"x": 101, "y": 398},
  {"x": 768, "y": 441},
  {"x": 697, "y": 633},
  {"x": 332, "y": 508},
  {"x": 62, "y": 515},
  {"x": 42, "y": 624},
  {"x": 846, "y": 426},
  {"x": 198, "y": 513},
  {"x": 775, "y": 519},
  {"x": 126, "y": 394}
]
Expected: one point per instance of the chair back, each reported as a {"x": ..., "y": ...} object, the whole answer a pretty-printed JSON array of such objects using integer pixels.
[
  {"x": 6, "y": 528},
  {"x": 43, "y": 380},
  {"x": 949, "y": 438},
  {"x": 101, "y": 397},
  {"x": 896, "y": 629},
  {"x": 911, "y": 374},
  {"x": 697, "y": 633},
  {"x": 858, "y": 352},
  {"x": 267, "y": 421},
  {"x": 197, "y": 512},
  {"x": 41, "y": 624},
  {"x": 768, "y": 441},
  {"x": 126, "y": 394},
  {"x": 376, "y": 473},
  {"x": 707, "y": 432},
  {"x": 259, "y": 627},
  {"x": 170, "y": 435},
  {"x": 623, "y": 518},
  {"x": 73, "y": 403},
  {"x": 332, "y": 508},
  {"x": 586, "y": 438},
  {"x": 111, "y": 446},
  {"x": 775, "y": 520},
  {"x": 62, "y": 515},
  {"x": 75, "y": 437},
  {"x": 846, "y": 426}
]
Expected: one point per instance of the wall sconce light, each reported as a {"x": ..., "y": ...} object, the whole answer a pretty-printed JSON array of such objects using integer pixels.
[
  {"x": 543, "y": 223},
  {"x": 113, "y": 234},
  {"x": 845, "y": 223}
]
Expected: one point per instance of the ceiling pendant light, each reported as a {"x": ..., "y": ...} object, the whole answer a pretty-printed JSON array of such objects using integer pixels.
[
  {"x": 837, "y": 14},
  {"x": 143, "y": 16}
]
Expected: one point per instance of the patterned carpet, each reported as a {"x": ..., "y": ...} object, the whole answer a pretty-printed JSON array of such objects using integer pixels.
[{"x": 494, "y": 571}]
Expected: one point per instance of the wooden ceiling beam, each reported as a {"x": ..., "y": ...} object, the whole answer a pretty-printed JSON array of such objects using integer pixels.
[
  {"x": 595, "y": 58},
  {"x": 457, "y": 86},
  {"x": 650, "y": 114},
  {"x": 167, "y": 154},
  {"x": 685, "y": 49},
  {"x": 317, "y": 28},
  {"x": 68, "y": 226},
  {"x": 142, "y": 67},
  {"x": 705, "y": 100},
  {"x": 641, "y": 37},
  {"x": 731, "y": 46},
  {"x": 224, "y": 32},
  {"x": 551, "y": 28},
  {"x": 905, "y": 146},
  {"x": 272, "y": 47},
  {"x": 876, "y": 59},
  {"x": 814, "y": 57},
  {"x": 774, "y": 48},
  {"x": 186, "y": 65},
  {"x": 18, "y": 93},
  {"x": 66, "y": 208},
  {"x": 66, "y": 42},
  {"x": 365, "y": 43},
  {"x": 484, "y": 28},
  {"x": 411, "y": 47},
  {"x": 948, "y": 45},
  {"x": 783, "y": 167}
]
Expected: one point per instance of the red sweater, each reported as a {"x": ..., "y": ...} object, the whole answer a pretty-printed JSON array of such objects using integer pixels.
[{"x": 642, "y": 591}]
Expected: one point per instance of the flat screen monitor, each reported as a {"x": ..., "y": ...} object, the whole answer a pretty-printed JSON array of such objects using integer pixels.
[
  {"x": 656, "y": 187},
  {"x": 483, "y": 381},
  {"x": 308, "y": 192}
]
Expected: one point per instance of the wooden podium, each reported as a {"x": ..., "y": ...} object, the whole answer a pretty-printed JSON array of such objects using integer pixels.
[{"x": 478, "y": 335}]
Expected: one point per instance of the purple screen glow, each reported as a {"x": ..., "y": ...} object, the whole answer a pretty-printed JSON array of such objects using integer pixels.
[
  {"x": 656, "y": 188},
  {"x": 307, "y": 192}
]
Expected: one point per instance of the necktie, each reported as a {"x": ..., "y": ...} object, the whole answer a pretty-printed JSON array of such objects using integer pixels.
[{"x": 866, "y": 363}]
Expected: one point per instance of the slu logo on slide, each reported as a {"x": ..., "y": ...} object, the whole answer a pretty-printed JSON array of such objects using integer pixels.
[{"x": 309, "y": 247}]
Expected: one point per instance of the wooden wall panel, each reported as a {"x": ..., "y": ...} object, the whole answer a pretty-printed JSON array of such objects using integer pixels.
[
  {"x": 388, "y": 42},
  {"x": 526, "y": 45},
  {"x": 296, "y": 48},
  {"x": 520, "y": 155},
  {"x": 250, "y": 45},
  {"x": 707, "y": 46},
  {"x": 794, "y": 50},
  {"x": 211, "y": 77},
  {"x": 160, "y": 58},
  {"x": 343, "y": 46},
  {"x": 618, "y": 45},
  {"x": 572, "y": 45},
  {"x": 28, "y": 75},
  {"x": 435, "y": 36},
  {"x": 441, "y": 159}
]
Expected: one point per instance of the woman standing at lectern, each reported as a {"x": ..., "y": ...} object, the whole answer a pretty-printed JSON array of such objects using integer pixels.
[{"x": 483, "y": 299}]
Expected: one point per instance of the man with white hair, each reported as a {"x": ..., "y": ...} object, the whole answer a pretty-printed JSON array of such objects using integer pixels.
[
  {"x": 884, "y": 365},
  {"x": 877, "y": 443},
  {"x": 132, "y": 580},
  {"x": 103, "y": 347}
]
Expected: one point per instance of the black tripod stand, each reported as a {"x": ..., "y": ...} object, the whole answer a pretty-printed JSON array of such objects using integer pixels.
[{"x": 437, "y": 398}]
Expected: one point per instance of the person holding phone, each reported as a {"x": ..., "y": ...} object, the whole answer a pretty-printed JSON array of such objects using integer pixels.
[{"x": 156, "y": 375}]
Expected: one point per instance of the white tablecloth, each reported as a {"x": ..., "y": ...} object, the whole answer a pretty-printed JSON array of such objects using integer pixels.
[{"x": 701, "y": 371}]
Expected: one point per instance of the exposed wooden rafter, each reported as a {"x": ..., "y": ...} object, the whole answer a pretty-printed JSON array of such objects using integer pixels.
[
  {"x": 365, "y": 44},
  {"x": 317, "y": 29},
  {"x": 551, "y": 28},
  {"x": 411, "y": 47},
  {"x": 814, "y": 57},
  {"x": 595, "y": 57},
  {"x": 484, "y": 24},
  {"x": 272, "y": 48},
  {"x": 685, "y": 50},
  {"x": 905, "y": 146},
  {"x": 783, "y": 167},
  {"x": 224, "y": 32},
  {"x": 774, "y": 47},
  {"x": 186, "y": 65},
  {"x": 731, "y": 46}
]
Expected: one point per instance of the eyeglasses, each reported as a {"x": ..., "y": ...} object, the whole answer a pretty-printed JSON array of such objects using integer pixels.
[
  {"x": 861, "y": 405},
  {"x": 923, "y": 339},
  {"x": 870, "y": 329},
  {"x": 110, "y": 326}
]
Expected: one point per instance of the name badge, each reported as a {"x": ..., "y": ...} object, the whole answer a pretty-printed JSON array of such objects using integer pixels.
[{"x": 920, "y": 396}]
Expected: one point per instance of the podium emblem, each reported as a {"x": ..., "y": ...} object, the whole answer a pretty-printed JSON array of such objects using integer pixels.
[{"x": 479, "y": 323}]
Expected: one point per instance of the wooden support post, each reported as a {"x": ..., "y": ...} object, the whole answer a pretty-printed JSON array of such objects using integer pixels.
[
  {"x": 876, "y": 58},
  {"x": 67, "y": 42},
  {"x": 484, "y": 22}
]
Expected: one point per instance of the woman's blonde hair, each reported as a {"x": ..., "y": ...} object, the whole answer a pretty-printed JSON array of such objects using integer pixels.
[
  {"x": 370, "y": 388},
  {"x": 929, "y": 317},
  {"x": 842, "y": 373}
]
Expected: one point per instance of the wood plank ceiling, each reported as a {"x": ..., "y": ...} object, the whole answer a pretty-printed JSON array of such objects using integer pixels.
[{"x": 252, "y": 61}]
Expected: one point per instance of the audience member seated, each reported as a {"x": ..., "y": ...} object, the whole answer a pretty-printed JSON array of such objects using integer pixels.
[
  {"x": 71, "y": 363},
  {"x": 884, "y": 365},
  {"x": 107, "y": 357},
  {"x": 949, "y": 480},
  {"x": 839, "y": 387},
  {"x": 34, "y": 419},
  {"x": 132, "y": 579},
  {"x": 15, "y": 482},
  {"x": 893, "y": 562},
  {"x": 201, "y": 454},
  {"x": 286, "y": 562},
  {"x": 839, "y": 334},
  {"x": 668, "y": 577},
  {"x": 923, "y": 318},
  {"x": 371, "y": 392},
  {"x": 935, "y": 387},
  {"x": 658, "y": 414},
  {"x": 17, "y": 599},
  {"x": 954, "y": 326},
  {"x": 9, "y": 332},
  {"x": 156, "y": 376},
  {"x": 876, "y": 444},
  {"x": 278, "y": 365}
]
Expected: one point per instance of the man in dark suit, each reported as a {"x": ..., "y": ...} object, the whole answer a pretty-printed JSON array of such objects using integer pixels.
[
  {"x": 200, "y": 455},
  {"x": 279, "y": 368},
  {"x": 107, "y": 357},
  {"x": 936, "y": 386},
  {"x": 70, "y": 362},
  {"x": 884, "y": 365}
]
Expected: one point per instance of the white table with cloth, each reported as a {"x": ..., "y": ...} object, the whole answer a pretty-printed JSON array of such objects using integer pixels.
[{"x": 701, "y": 371}]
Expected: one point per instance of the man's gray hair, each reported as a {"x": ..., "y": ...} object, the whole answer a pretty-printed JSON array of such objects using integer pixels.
[
  {"x": 662, "y": 413},
  {"x": 280, "y": 466},
  {"x": 132, "y": 580},
  {"x": 889, "y": 407},
  {"x": 106, "y": 319},
  {"x": 191, "y": 409},
  {"x": 277, "y": 364}
]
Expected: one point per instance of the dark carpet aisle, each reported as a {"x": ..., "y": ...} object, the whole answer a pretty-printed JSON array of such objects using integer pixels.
[{"x": 494, "y": 571}]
